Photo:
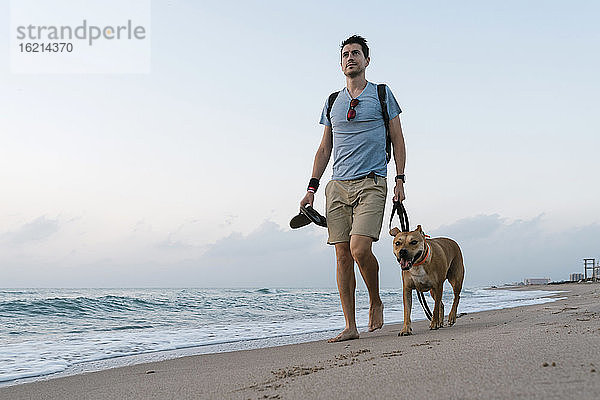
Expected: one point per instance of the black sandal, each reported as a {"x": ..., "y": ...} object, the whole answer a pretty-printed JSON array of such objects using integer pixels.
[{"x": 306, "y": 216}]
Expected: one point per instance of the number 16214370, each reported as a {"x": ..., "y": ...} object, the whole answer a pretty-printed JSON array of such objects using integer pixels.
[{"x": 46, "y": 47}]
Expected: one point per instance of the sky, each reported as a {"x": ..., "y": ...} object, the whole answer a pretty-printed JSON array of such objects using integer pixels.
[{"x": 188, "y": 175}]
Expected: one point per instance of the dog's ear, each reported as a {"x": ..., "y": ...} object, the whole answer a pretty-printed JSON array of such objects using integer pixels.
[
  {"x": 419, "y": 229},
  {"x": 394, "y": 231}
]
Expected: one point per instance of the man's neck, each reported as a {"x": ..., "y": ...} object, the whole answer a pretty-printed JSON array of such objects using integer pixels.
[{"x": 356, "y": 85}]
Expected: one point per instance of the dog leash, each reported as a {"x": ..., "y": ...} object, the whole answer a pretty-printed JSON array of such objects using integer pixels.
[
  {"x": 423, "y": 302},
  {"x": 398, "y": 208}
]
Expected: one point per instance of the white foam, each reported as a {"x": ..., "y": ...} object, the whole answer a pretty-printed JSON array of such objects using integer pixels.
[{"x": 59, "y": 351}]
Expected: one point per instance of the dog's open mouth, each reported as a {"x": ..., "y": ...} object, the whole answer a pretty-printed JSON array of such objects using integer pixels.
[{"x": 405, "y": 264}]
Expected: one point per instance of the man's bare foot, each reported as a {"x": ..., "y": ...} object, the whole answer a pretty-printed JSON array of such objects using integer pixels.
[
  {"x": 347, "y": 334},
  {"x": 375, "y": 317}
]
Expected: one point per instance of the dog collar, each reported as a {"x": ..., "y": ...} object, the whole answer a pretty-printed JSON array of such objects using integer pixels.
[{"x": 426, "y": 255}]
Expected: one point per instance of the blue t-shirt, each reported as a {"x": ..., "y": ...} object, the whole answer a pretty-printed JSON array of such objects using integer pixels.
[{"x": 359, "y": 144}]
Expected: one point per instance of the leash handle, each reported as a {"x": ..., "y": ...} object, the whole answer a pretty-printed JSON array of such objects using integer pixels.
[{"x": 398, "y": 208}]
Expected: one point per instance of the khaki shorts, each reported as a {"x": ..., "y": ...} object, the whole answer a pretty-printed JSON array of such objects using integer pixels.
[{"x": 355, "y": 208}]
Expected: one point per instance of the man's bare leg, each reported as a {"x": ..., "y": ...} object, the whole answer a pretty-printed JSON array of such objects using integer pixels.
[
  {"x": 346, "y": 283},
  {"x": 360, "y": 247}
]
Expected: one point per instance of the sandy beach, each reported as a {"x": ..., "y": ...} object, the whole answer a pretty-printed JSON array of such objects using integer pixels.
[{"x": 534, "y": 352}]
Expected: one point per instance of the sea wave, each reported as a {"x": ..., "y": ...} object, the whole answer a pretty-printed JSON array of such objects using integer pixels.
[
  {"x": 47, "y": 331},
  {"x": 78, "y": 306}
]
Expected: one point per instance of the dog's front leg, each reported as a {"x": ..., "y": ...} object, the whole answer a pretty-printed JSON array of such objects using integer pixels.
[
  {"x": 407, "y": 302},
  {"x": 437, "y": 320}
]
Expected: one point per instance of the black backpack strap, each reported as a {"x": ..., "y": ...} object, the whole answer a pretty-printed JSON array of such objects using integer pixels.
[
  {"x": 330, "y": 102},
  {"x": 382, "y": 94}
]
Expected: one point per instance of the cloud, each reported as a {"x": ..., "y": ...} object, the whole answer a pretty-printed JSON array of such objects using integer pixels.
[
  {"x": 495, "y": 250},
  {"x": 270, "y": 256},
  {"x": 37, "y": 230},
  {"x": 498, "y": 251},
  {"x": 476, "y": 227}
]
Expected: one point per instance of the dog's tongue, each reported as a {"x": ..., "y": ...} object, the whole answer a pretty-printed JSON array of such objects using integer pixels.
[{"x": 403, "y": 264}]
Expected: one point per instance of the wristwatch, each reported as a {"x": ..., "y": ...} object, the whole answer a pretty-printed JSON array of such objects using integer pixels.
[{"x": 401, "y": 177}]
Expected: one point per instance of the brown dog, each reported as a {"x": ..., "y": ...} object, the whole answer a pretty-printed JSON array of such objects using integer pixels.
[{"x": 426, "y": 264}]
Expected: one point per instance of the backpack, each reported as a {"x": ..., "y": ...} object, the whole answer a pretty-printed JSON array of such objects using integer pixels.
[{"x": 381, "y": 93}]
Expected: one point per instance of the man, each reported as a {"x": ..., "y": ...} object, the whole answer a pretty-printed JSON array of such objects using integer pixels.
[{"x": 356, "y": 194}]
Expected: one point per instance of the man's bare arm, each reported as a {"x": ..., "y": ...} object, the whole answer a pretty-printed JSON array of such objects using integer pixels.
[
  {"x": 320, "y": 163},
  {"x": 399, "y": 156}
]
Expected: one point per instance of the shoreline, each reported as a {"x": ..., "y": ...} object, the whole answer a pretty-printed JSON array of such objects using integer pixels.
[
  {"x": 254, "y": 343},
  {"x": 163, "y": 355},
  {"x": 565, "y": 332}
]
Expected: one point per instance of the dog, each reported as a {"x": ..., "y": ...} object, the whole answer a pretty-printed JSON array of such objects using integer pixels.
[{"x": 426, "y": 263}]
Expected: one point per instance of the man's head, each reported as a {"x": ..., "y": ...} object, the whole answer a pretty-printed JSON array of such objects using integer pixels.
[{"x": 355, "y": 56}]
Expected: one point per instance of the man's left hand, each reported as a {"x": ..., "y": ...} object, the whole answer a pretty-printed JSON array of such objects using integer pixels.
[{"x": 399, "y": 191}]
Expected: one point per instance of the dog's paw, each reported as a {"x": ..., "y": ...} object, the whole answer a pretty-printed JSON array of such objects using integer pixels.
[
  {"x": 451, "y": 319},
  {"x": 405, "y": 332},
  {"x": 435, "y": 325}
]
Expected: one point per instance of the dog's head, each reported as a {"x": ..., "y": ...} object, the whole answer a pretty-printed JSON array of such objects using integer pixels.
[{"x": 408, "y": 246}]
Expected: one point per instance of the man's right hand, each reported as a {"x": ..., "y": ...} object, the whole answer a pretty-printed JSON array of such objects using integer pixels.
[
  {"x": 399, "y": 191},
  {"x": 308, "y": 199}
]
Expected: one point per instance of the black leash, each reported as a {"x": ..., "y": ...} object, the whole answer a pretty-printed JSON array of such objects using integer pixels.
[
  {"x": 426, "y": 309},
  {"x": 398, "y": 208}
]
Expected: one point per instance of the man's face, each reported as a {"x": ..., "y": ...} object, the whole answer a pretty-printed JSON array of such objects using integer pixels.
[{"x": 353, "y": 60}]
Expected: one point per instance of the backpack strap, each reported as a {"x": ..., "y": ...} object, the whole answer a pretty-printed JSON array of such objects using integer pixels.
[
  {"x": 382, "y": 94},
  {"x": 330, "y": 102}
]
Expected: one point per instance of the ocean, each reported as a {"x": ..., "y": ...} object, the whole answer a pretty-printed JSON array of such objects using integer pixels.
[{"x": 66, "y": 331}]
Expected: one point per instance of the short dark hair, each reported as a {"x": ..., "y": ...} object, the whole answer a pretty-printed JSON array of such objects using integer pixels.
[{"x": 359, "y": 40}]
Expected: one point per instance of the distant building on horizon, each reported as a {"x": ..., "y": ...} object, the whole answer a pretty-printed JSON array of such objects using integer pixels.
[
  {"x": 536, "y": 281},
  {"x": 576, "y": 277},
  {"x": 589, "y": 264}
]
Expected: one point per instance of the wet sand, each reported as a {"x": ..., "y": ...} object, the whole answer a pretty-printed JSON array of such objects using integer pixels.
[{"x": 546, "y": 351}]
